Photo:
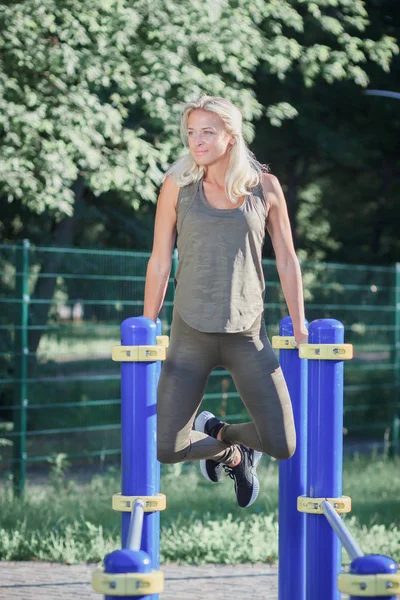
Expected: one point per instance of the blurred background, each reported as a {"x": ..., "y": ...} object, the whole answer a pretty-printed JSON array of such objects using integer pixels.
[{"x": 90, "y": 98}]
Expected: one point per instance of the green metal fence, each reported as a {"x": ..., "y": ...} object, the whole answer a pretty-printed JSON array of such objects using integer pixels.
[{"x": 60, "y": 314}]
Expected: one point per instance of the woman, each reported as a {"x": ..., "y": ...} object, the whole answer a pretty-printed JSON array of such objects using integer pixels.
[{"x": 220, "y": 201}]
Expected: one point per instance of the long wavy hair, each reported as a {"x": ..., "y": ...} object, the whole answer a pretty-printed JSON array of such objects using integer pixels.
[{"x": 244, "y": 171}]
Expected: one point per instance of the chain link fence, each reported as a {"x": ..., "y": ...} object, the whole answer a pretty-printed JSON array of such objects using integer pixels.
[{"x": 61, "y": 309}]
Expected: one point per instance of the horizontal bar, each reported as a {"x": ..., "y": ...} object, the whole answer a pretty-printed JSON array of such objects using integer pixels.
[
  {"x": 62, "y": 405},
  {"x": 326, "y": 266},
  {"x": 16, "y": 434},
  {"x": 86, "y": 302},
  {"x": 65, "y": 327},
  {"x": 220, "y": 395},
  {"x": 64, "y": 379},
  {"x": 357, "y": 407},
  {"x": 68, "y": 250},
  {"x": 380, "y": 425},
  {"x": 87, "y": 276},
  {"x": 351, "y": 546},
  {"x": 358, "y": 307},
  {"x": 47, "y": 457},
  {"x": 355, "y": 366},
  {"x": 57, "y": 355},
  {"x": 377, "y": 328}
]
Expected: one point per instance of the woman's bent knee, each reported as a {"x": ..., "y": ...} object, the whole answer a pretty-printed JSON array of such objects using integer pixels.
[{"x": 284, "y": 451}]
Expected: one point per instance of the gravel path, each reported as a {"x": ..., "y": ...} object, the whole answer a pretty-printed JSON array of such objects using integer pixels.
[{"x": 50, "y": 581}]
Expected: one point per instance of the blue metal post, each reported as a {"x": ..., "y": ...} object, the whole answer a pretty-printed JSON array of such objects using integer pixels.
[
  {"x": 373, "y": 564},
  {"x": 325, "y": 460},
  {"x": 156, "y": 555},
  {"x": 139, "y": 469},
  {"x": 292, "y": 479}
]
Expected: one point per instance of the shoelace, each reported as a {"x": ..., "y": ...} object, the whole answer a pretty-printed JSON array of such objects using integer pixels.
[{"x": 229, "y": 472}]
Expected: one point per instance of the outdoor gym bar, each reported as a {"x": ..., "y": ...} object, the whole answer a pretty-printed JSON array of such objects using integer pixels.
[
  {"x": 310, "y": 486},
  {"x": 310, "y": 489}
]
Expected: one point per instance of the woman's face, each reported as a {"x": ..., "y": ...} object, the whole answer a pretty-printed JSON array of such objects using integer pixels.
[{"x": 208, "y": 139}]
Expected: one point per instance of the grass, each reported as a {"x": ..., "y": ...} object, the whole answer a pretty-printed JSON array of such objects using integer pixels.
[{"x": 65, "y": 521}]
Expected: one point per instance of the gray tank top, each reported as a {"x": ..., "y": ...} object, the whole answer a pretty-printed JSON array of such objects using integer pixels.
[{"x": 219, "y": 281}]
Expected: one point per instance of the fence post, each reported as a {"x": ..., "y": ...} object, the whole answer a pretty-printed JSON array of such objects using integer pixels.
[
  {"x": 21, "y": 357},
  {"x": 293, "y": 478},
  {"x": 325, "y": 460},
  {"x": 396, "y": 366}
]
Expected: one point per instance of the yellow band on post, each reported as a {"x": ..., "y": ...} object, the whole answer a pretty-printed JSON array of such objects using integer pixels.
[
  {"x": 313, "y": 505},
  {"x": 151, "y": 503},
  {"x": 326, "y": 351},
  {"x": 128, "y": 584},
  {"x": 370, "y": 586},
  {"x": 138, "y": 353},
  {"x": 163, "y": 340},
  {"x": 281, "y": 342}
]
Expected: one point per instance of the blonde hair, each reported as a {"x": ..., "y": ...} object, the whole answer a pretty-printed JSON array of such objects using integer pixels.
[{"x": 244, "y": 171}]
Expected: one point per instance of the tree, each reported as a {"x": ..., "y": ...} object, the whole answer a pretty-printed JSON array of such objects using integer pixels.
[
  {"x": 90, "y": 90},
  {"x": 339, "y": 158},
  {"x": 90, "y": 94}
]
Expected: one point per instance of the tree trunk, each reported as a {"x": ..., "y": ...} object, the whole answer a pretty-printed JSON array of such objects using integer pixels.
[{"x": 44, "y": 290}]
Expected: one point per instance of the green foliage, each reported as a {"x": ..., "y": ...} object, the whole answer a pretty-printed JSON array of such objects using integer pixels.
[
  {"x": 91, "y": 90},
  {"x": 4, "y": 428},
  {"x": 222, "y": 541},
  {"x": 68, "y": 543},
  {"x": 341, "y": 142},
  {"x": 202, "y": 523},
  {"x": 59, "y": 465}
]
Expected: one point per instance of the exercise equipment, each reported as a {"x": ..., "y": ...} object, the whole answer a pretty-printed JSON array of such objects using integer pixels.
[{"x": 310, "y": 488}]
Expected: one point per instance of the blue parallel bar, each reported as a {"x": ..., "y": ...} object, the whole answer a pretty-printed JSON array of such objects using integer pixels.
[
  {"x": 348, "y": 541},
  {"x": 139, "y": 469},
  {"x": 293, "y": 479},
  {"x": 325, "y": 460},
  {"x": 134, "y": 539}
]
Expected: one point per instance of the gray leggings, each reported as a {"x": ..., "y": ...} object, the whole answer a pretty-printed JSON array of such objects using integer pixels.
[{"x": 258, "y": 378}]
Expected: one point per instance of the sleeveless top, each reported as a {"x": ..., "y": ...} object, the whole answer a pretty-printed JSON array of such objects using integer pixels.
[{"x": 219, "y": 281}]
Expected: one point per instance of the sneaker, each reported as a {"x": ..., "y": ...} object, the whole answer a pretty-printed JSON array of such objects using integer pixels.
[
  {"x": 207, "y": 423},
  {"x": 244, "y": 475}
]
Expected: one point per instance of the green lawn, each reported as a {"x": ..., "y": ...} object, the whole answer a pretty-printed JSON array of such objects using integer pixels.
[{"x": 71, "y": 522}]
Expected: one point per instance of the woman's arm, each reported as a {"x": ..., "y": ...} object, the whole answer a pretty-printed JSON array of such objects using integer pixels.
[
  {"x": 278, "y": 226},
  {"x": 159, "y": 265}
]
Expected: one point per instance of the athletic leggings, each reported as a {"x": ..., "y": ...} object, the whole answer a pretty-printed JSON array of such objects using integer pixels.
[{"x": 258, "y": 378}]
